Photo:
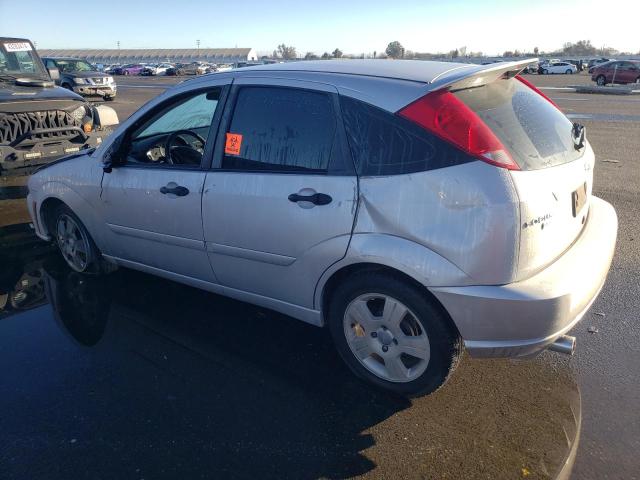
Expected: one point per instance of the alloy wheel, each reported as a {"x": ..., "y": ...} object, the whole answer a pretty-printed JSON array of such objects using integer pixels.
[
  {"x": 386, "y": 337},
  {"x": 73, "y": 243}
]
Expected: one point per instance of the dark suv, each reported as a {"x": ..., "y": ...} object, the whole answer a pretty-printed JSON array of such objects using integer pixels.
[
  {"x": 40, "y": 122},
  {"x": 619, "y": 71},
  {"x": 82, "y": 77}
]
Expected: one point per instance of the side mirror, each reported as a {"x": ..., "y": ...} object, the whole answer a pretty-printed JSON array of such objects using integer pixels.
[
  {"x": 54, "y": 73},
  {"x": 106, "y": 116},
  {"x": 114, "y": 156}
]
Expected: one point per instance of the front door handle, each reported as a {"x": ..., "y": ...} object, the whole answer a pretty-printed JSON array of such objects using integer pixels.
[
  {"x": 173, "y": 188},
  {"x": 316, "y": 198}
]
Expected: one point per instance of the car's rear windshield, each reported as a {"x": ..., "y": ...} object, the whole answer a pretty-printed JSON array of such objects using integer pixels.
[{"x": 535, "y": 132}]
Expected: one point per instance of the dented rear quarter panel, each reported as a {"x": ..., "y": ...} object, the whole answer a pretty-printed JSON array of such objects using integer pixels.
[{"x": 467, "y": 214}]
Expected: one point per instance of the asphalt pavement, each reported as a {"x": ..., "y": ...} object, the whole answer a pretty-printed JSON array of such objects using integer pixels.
[{"x": 136, "y": 377}]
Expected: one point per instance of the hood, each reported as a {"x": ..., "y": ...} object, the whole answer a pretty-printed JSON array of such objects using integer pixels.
[
  {"x": 15, "y": 98},
  {"x": 88, "y": 74}
]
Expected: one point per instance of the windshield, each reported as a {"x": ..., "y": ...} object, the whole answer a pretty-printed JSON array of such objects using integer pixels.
[
  {"x": 19, "y": 59},
  {"x": 74, "y": 66}
]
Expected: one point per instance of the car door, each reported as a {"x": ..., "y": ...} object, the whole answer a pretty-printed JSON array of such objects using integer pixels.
[
  {"x": 152, "y": 201},
  {"x": 280, "y": 202}
]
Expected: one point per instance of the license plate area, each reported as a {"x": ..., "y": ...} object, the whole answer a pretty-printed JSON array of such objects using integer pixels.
[{"x": 578, "y": 199}]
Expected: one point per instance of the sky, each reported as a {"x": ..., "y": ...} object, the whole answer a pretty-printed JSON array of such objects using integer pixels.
[{"x": 490, "y": 26}]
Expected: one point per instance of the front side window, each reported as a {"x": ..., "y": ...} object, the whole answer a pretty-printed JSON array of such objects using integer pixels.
[
  {"x": 280, "y": 129},
  {"x": 175, "y": 135}
]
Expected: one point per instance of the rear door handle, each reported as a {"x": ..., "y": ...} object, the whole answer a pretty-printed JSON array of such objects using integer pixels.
[
  {"x": 173, "y": 188},
  {"x": 316, "y": 198}
]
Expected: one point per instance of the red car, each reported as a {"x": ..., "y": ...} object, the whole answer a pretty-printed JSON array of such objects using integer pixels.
[{"x": 618, "y": 71}]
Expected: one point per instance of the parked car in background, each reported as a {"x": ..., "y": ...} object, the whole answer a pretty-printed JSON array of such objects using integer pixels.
[
  {"x": 421, "y": 226},
  {"x": 129, "y": 69},
  {"x": 194, "y": 68},
  {"x": 82, "y": 77},
  {"x": 617, "y": 71},
  {"x": 594, "y": 62},
  {"x": 177, "y": 69},
  {"x": 557, "y": 67},
  {"x": 156, "y": 69},
  {"x": 578, "y": 63}
]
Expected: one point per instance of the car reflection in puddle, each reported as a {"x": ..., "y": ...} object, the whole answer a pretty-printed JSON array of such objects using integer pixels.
[{"x": 132, "y": 376}]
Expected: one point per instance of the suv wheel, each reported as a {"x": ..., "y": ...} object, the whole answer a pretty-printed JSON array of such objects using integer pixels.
[
  {"x": 601, "y": 80},
  {"x": 390, "y": 334}
]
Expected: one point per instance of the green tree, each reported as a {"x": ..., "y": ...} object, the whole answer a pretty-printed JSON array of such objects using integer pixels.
[
  {"x": 325, "y": 56},
  {"x": 310, "y": 56},
  {"x": 536, "y": 51},
  {"x": 395, "y": 50},
  {"x": 337, "y": 53}
]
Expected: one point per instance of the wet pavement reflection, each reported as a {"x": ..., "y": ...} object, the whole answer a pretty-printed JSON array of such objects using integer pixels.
[{"x": 132, "y": 376}]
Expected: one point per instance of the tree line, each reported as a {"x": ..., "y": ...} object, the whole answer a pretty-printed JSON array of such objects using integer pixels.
[{"x": 396, "y": 50}]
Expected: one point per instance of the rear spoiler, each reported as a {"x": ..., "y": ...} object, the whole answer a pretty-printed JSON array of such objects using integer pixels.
[{"x": 478, "y": 75}]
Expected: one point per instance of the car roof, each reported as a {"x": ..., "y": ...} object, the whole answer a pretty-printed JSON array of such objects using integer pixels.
[{"x": 412, "y": 70}]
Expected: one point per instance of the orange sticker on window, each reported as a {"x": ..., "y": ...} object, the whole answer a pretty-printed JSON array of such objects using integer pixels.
[{"x": 233, "y": 144}]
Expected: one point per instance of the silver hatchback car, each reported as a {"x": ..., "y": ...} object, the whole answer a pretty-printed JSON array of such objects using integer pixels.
[{"x": 415, "y": 208}]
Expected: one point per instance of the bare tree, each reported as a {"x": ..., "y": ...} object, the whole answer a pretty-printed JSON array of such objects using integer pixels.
[
  {"x": 286, "y": 52},
  {"x": 337, "y": 53}
]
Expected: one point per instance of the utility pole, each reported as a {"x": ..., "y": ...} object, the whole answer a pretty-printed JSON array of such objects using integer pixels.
[
  {"x": 118, "y": 43},
  {"x": 198, "y": 44}
]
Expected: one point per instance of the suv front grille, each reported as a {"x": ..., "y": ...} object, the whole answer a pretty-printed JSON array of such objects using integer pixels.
[{"x": 33, "y": 127}]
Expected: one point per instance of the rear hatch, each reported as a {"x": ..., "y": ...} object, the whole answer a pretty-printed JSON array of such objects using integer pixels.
[{"x": 554, "y": 173}]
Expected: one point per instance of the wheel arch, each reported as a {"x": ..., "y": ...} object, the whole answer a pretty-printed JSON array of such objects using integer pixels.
[{"x": 405, "y": 260}]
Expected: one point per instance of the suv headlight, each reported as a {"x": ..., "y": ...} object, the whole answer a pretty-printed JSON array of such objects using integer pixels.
[{"x": 81, "y": 81}]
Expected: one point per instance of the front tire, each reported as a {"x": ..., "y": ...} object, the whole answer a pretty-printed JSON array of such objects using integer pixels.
[
  {"x": 601, "y": 81},
  {"x": 392, "y": 334},
  {"x": 545, "y": 71},
  {"x": 569, "y": 72},
  {"x": 74, "y": 242}
]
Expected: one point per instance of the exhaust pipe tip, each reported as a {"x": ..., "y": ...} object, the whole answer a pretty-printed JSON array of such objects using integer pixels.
[{"x": 565, "y": 344}]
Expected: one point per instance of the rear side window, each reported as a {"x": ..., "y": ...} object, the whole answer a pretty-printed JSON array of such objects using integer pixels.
[
  {"x": 536, "y": 133},
  {"x": 280, "y": 129},
  {"x": 385, "y": 144}
]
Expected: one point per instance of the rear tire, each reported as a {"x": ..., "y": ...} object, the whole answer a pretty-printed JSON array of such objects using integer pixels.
[
  {"x": 75, "y": 243},
  {"x": 392, "y": 334},
  {"x": 601, "y": 81}
]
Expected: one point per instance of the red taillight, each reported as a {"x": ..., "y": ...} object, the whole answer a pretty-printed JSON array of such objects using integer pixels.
[
  {"x": 535, "y": 89},
  {"x": 447, "y": 117}
]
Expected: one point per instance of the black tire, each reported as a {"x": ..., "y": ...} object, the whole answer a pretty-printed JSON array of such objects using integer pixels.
[
  {"x": 67, "y": 86},
  {"x": 545, "y": 71},
  {"x": 109, "y": 98},
  {"x": 601, "y": 80},
  {"x": 569, "y": 72},
  {"x": 95, "y": 264},
  {"x": 445, "y": 344}
]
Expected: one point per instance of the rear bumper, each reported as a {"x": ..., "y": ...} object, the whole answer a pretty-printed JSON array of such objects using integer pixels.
[{"x": 522, "y": 318}]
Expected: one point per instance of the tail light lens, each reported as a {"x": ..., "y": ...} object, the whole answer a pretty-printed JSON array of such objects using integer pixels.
[
  {"x": 446, "y": 116},
  {"x": 535, "y": 89}
]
